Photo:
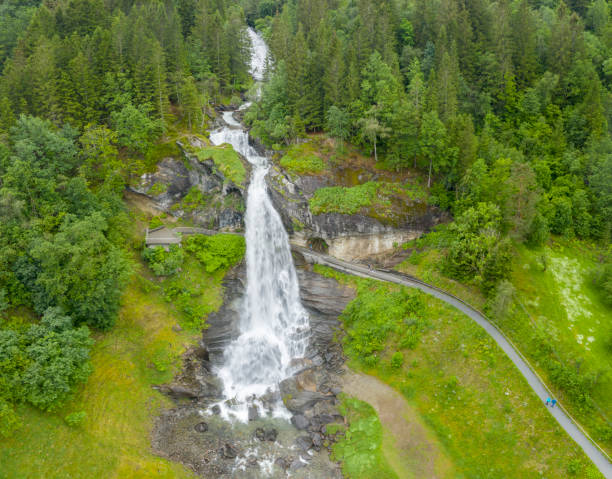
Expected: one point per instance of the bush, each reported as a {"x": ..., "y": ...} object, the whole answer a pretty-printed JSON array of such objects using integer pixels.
[
  {"x": 602, "y": 279},
  {"x": 9, "y": 421},
  {"x": 42, "y": 364},
  {"x": 216, "y": 252},
  {"x": 75, "y": 418},
  {"x": 397, "y": 360},
  {"x": 162, "y": 262}
]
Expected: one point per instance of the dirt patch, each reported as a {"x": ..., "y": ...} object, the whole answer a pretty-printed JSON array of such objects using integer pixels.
[{"x": 409, "y": 447}]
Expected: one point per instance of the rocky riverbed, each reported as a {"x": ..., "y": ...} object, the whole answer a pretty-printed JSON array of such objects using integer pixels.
[{"x": 194, "y": 431}]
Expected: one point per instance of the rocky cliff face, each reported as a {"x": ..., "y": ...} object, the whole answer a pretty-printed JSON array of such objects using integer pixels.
[
  {"x": 350, "y": 237},
  {"x": 196, "y": 190}
]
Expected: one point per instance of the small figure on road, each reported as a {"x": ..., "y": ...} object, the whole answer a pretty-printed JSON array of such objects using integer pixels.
[
  {"x": 552, "y": 404},
  {"x": 370, "y": 266},
  {"x": 547, "y": 401}
]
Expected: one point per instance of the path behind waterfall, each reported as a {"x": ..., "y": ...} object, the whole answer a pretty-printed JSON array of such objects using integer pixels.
[{"x": 576, "y": 432}]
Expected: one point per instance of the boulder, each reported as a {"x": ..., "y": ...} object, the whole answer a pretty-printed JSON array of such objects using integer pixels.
[{"x": 300, "y": 422}]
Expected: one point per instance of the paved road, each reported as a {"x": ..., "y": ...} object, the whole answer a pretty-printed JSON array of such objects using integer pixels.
[{"x": 599, "y": 457}]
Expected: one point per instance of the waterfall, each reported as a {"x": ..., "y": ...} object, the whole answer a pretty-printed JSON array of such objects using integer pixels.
[{"x": 274, "y": 326}]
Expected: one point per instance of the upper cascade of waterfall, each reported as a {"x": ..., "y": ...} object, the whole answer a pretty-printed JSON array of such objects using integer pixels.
[
  {"x": 259, "y": 55},
  {"x": 274, "y": 327}
]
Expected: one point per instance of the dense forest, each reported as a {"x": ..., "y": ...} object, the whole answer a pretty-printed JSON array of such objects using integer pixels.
[
  {"x": 87, "y": 89},
  {"x": 505, "y": 107}
]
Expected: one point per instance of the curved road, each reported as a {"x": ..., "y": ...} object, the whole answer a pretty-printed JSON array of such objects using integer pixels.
[{"x": 595, "y": 453}]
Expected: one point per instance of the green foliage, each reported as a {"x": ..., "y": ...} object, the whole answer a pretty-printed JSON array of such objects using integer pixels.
[
  {"x": 216, "y": 252},
  {"x": 193, "y": 200},
  {"x": 338, "y": 199},
  {"x": 81, "y": 271},
  {"x": 379, "y": 315},
  {"x": 227, "y": 160},
  {"x": 360, "y": 451},
  {"x": 477, "y": 252},
  {"x": 602, "y": 278},
  {"x": 162, "y": 262},
  {"x": 300, "y": 159},
  {"x": 397, "y": 360},
  {"x": 155, "y": 222},
  {"x": 9, "y": 421},
  {"x": 135, "y": 129},
  {"x": 42, "y": 364},
  {"x": 74, "y": 419}
]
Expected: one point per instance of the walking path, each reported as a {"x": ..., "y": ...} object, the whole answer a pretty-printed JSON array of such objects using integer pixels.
[
  {"x": 571, "y": 426},
  {"x": 408, "y": 446}
]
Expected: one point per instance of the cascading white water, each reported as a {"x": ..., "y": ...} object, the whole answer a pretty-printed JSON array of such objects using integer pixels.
[{"x": 273, "y": 326}]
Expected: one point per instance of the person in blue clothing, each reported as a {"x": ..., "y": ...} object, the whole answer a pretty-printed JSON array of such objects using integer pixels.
[
  {"x": 547, "y": 401},
  {"x": 553, "y": 402}
]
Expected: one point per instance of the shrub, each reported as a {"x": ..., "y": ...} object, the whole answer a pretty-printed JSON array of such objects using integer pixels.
[
  {"x": 162, "y": 262},
  {"x": 9, "y": 421},
  {"x": 397, "y": 360},
  {"x": 75, "y": 418},
  {"x": 216, "y": 252}
]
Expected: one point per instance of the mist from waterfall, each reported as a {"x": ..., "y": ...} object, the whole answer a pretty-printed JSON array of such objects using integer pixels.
[{"x": 273, "y": 324}]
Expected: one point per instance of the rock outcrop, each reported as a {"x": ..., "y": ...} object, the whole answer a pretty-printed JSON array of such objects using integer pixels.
[
  {"x": 349, "y": 237},
  {"x": 219, "y": 203}
]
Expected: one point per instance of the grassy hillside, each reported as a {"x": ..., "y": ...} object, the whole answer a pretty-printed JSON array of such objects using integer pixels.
[
  {"x": 558, "y": 319},
  {"x": 467, "y": 391},
  {"x": 143, "y": 349}
]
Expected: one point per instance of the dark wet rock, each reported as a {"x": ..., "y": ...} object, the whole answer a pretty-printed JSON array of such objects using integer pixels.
[
  {"x": 297, "y": 464},
  {"x": 317, "y": 440},
  {"x": 216, "y": 409},
  {"x": 201, "y": 427},
  {"x": 223, "y": 324},
  {"x": 324, "y": 295},
  {"x": 271, "y": 434},
  {"x": 283, "y": 462},
  {"x": 260, "y": 434},
  {"x": 296, "y": 399},
  {"x": 300, "y": 421},
  {"x": 179, "y": 392},
  {"x": 253, "y": 413},
  {"x": 304, "y": 443},
  {"x": 228, "y": 451}
]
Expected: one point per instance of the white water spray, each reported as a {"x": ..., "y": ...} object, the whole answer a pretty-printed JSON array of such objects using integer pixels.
[{"x": 273, "y": 325}]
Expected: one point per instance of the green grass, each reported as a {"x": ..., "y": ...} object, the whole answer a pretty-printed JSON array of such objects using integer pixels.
[
  {"x": 348, "y": 201},
  {"x": 302, "y": 159},
  {"x": 360, "y": 449},
  {"x": 142, "y": 350},
  {"x": 386, "y": 201},
  {"x": 558, "y": 319},
  {"x": 227, "y": 160},
  {"x": 489, "y": 421}
]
